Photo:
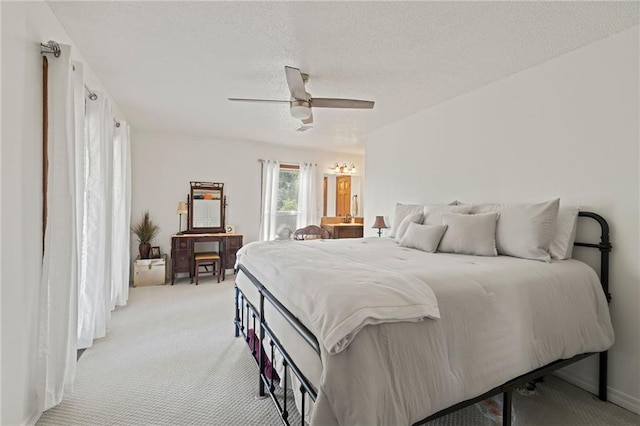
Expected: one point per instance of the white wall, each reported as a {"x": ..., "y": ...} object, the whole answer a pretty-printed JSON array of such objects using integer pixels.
[
  {"x": 163, "y": 165},
  {"x": 24, "y": 26},
  {"x": 568, "y": 127}
]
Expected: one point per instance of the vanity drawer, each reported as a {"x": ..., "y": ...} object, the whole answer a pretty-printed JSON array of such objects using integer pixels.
[
  {"x": 234, "y": 242},
  {"x": 348, "y": 232},
  {"x": 181, "y": 253},
  {"x": 181, "y": 261},
  {"x": 232, "y": 245}
]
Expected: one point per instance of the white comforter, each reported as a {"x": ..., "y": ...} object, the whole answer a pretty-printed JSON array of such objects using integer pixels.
[
  {"x": 341, "y": 298},
  {"x": 500, "y": 317}
]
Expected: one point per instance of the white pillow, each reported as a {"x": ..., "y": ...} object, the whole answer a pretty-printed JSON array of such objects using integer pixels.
[
  {"x": 402, "y": 228},
  {"x": 470, "y": 234},
  {"x": 524, "y": 230},
  {"x": 423, "y": 237},
  {"x": 433, "y": 213},
  {"x": 562, "y": 243},
  {"x": 402, "y": 211}
]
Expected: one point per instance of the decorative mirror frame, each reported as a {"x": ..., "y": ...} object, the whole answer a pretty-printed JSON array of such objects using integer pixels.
[{"x": 214, "y": 186}]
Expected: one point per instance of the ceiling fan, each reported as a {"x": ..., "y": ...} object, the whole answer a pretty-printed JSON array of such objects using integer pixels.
[{"x": 302, "y": 102}]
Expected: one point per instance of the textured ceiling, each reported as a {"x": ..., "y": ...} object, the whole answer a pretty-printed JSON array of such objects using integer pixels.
[{"x": 171, "y": 66}]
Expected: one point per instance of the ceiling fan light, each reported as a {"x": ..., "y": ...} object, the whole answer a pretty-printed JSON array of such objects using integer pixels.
[{"x": 300, "y": 109}]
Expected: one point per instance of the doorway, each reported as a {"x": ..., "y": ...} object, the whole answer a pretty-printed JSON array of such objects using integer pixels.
[{"x": 343, "y": 195}]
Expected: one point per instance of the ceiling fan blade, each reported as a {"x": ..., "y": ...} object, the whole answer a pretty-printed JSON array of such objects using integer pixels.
[
  {"x": 340, "y": 103},
  {"x": 296, "y": 84},
  {"x": 308, "y": 120},
  {"x": 259, "y": 100}
]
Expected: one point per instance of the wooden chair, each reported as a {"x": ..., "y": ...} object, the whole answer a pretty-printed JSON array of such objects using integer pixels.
[
  {"x": 311, "y": 232},
  {"x": 205, "y": 259}
]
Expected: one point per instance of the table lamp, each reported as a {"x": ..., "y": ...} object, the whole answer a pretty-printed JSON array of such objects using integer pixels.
[
  {"x": 379, "y": 223},
  {"x": 182, "y": 209}
]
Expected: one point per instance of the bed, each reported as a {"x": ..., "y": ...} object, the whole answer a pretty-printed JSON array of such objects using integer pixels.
[{"x": 340, "y": 320}]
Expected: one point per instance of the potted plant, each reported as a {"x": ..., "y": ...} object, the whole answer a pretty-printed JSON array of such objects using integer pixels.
[{"x": 146, "y": 231}]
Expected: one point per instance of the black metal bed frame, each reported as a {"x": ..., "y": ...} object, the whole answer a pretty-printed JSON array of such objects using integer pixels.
[{"x": 247, "y": 314}]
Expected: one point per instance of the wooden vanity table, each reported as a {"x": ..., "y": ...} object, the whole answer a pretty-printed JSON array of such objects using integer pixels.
[
  {"x": 182, "y": 251},
  {"x": 345, "y": 230},
  {"x": 338, "y": 228},
  {"x": 205, "y": 224}
]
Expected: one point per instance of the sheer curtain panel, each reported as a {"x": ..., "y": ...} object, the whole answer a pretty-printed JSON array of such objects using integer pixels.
[
  {"x": 308, "y": 180},
  {"x": 270, "y": 185},
  {"x": 56, "y": 353},
  {"x": 120, "y": 224},
  {"x": 80, "y": 169},
  {"x": 95, "y": 303}
]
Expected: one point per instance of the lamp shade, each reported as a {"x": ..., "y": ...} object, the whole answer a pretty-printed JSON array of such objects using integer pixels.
[
  {"x": 182, "y": 208},
  {"x": 379, "y": 223}
]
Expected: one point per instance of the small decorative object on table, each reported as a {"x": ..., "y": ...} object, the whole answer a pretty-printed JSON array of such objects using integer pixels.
[
  {"x": 155, "y": 252},
  {"x": 146, "y": 231},
  {"x": 231, "y": 229}
]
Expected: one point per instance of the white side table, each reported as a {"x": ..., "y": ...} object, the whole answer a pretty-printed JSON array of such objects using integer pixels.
[{"x": 148, "y": 272}]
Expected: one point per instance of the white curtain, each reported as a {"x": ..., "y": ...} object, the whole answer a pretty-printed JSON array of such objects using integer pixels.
[
  {"x": 120, "y": 224},
  {"x": 308, "y": 180},
  {"x": 56, "y": 353},
  {"x": 270, "y": 185},
  {"x": 95, "y": 294},
  {"x": 80, "y": 170}
]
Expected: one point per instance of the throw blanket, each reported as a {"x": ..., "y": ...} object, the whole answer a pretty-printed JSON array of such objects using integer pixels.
[{"x": 341, "y": 298}]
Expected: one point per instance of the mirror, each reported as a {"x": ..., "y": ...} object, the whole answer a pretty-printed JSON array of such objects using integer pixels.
[
  {"x": 206, "y": 207},
  {"x": 342, "y": 195}
]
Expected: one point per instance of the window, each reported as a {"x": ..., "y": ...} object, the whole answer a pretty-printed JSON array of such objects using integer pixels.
[{"x": 287, "y": 215}]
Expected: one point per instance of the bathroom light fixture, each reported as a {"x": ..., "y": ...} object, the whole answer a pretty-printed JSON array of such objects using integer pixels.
[
  {"x": 379, "y": 223},
  {"x": 343, "y": 169}
]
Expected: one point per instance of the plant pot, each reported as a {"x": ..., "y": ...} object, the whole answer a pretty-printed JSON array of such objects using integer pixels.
[{"x": 144, "y": 249}]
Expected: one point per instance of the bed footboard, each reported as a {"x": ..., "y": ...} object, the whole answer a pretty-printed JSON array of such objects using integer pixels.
[{"x": 248, "y": 317}]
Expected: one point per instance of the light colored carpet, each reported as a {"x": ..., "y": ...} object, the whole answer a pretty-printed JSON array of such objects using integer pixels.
[{"x": 171, "y": 359}]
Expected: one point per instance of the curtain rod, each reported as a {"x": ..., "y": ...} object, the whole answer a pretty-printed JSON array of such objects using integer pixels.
[
  {"x": 53, "y": 47},
  {"x": 94, "y": 96},
  {"x": 260, "y": 160}
]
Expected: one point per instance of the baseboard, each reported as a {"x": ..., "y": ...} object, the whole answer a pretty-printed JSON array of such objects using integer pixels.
[
  {"x": 33, "y": 418},
  {"x": 614, "y": 395}
]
